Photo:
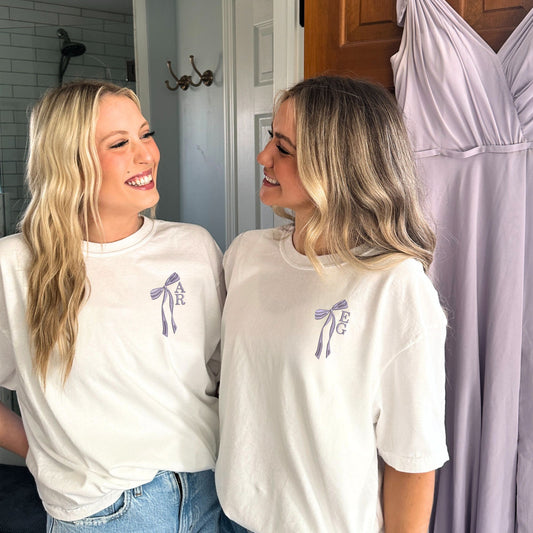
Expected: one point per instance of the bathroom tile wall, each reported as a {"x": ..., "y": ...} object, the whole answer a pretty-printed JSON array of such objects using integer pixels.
[{"x": 29, "y": 64}]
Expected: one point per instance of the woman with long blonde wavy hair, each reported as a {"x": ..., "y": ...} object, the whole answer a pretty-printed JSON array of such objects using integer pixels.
[
  {"x": 109, "y": 327},
  {"x": 333, "y": 335}
]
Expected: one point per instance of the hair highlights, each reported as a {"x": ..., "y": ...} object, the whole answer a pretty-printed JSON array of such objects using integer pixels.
[
  {"x": 63, "y": 176},
  {"x": 355, "y": 161}
]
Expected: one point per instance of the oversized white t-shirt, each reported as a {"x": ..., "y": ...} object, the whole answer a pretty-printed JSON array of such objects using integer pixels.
[
  {"x": 140, "y": 397},
  {"x": 323, "y": 377}
]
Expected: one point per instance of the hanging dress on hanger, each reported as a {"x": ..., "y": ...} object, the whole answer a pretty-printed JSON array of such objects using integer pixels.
[{"x": 469, "y": 114}]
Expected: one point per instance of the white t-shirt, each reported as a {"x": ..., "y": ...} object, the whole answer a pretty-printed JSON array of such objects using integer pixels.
[
  {"x": 140, "y": 397},
  {"x": 320, "y": 376}
]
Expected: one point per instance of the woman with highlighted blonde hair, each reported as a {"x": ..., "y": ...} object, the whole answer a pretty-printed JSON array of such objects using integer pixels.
[
  {"x": 332, "y": 390},
  {"x": 109, "y": 327}
]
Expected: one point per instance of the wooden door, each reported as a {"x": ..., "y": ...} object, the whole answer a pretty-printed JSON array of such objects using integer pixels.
[{"x": 358, "y": 37}]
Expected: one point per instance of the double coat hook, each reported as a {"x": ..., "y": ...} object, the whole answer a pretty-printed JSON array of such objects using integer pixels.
[{"x": 185, "y": 81}]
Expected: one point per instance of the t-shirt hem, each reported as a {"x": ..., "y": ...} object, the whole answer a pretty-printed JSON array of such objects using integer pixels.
[
  {"x": 79, "y": 513},
  {"x": 415, "y": 465}
]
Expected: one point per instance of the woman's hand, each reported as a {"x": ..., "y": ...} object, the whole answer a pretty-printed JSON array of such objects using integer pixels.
[
  {"x": 12, "y": 434},
  {"x": 407, "y": 501}
]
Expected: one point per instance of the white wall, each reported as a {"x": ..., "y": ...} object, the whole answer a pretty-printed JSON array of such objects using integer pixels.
[
  {"x": 201, "y": 117},
  {"x": 189, "y": 124}
]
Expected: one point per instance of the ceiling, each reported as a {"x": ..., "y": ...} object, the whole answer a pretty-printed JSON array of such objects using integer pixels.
[{"x": 113, "y": 6}]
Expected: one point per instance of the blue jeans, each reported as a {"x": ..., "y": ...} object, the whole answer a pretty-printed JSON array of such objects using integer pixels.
[
  {"x": 170, "y": 503},
  {"x": 228, "y": 526}
]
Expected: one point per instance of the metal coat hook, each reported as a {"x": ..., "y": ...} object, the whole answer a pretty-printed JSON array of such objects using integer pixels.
[{"x": 185, "y": 81}]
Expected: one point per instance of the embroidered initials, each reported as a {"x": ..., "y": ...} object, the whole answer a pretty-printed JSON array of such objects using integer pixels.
[
  {"x": 179, "y": 294},
  {"x": 339, "y": 327},
  {"x": 343, "y": 322}
]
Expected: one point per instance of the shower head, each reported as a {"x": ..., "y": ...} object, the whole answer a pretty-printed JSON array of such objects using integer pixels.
[
  {"x": 68, "y": 48},
  {"x": 73, "y": 49}
]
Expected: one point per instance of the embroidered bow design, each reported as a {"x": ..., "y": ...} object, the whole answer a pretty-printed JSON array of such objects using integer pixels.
[
  {"x": 165, "y": 291},
  {"x": 330, "y": 314}
]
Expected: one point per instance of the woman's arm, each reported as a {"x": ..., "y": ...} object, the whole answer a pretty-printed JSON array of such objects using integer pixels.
[
  {"x": 12, "y": 434},
  {"x": 407, "y": 501}
]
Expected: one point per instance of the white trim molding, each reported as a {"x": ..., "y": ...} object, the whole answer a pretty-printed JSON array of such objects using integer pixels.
[
  {"x": 230, "y": 133},
  {"x": 288, "y": 45},
  {"x": 140, "y": 37}
]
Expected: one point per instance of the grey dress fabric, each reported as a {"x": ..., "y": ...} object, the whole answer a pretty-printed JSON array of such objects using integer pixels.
[
  {"x": 517, "y": 60},
  {"x": 470, "y": 116}
]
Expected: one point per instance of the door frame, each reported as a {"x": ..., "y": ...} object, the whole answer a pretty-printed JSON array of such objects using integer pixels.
[{"x": 288, "y": 43}]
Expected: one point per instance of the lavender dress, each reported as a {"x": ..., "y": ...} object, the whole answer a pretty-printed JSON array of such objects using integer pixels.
[{"x": 470, "y": 116}]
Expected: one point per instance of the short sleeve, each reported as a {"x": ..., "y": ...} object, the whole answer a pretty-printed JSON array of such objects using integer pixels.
[
  {"x": 215, "y": 259},
  {"x": 214, "y": 256},
  {"x": 7, "y": 359},
  {"x": 409, "y": 406},
  {"x": 229, "y": 260}
]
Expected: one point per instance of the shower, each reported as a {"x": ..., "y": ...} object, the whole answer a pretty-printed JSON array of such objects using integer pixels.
[{"x": 68, "y": 50}]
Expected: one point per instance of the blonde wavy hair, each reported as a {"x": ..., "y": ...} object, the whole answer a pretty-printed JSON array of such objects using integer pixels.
[
  {"x": 355, "y": 161},
  {"x": 63, "y": 176}
]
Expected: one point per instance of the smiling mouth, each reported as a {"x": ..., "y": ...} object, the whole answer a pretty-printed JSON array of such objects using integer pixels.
[
  {"x": 270, "y": 180},
  {"x": 140, "y": 181}
]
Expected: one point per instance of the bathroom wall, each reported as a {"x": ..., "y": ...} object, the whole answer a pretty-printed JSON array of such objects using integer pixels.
[{"x": 29, "y": 64}]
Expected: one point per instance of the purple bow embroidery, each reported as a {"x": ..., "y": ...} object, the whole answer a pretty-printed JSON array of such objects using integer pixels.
[
  {"x": 156, "y": 293},
  {"x": 319, "y": 315}
]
